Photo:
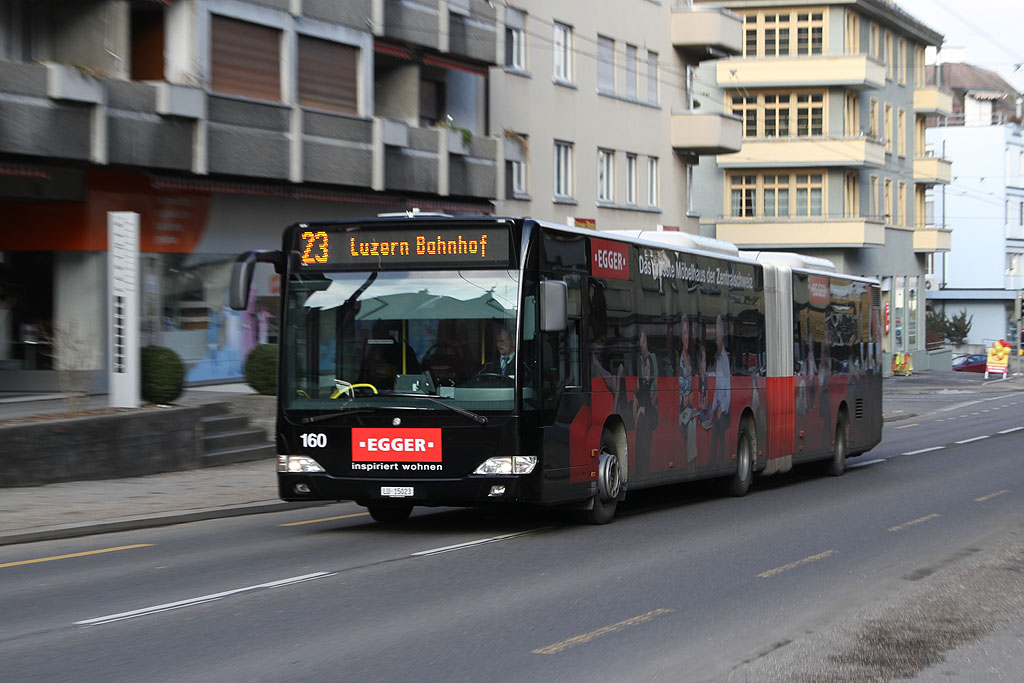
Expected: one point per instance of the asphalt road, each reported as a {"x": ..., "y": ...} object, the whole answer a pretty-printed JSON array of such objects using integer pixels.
[{"x": 685, "y": 585}]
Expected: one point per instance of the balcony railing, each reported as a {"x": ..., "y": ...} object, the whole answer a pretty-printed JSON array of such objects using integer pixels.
[
  {"x": 859, "y": 152},
  {"x": 800, "y": 233},
  {"x": 707, "y": 34},
  {"x": 706, "y": 133},
  {"x": 850, "y": 71}
]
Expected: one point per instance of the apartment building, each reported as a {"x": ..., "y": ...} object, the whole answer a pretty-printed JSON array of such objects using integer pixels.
[
  {"x": 833, "y": 101},
  {"x": 595, "y": 105},
  {"x": 983, "y": 273},
  {"x": 219, "y": 122}
]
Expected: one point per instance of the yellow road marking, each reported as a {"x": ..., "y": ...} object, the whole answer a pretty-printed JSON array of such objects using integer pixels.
[
  {"x": 587, "y": 637},
  {"x": 326, "y": 519},
  {"x": 991, "y": 495},
  {"x": 82, "y": 554},
  {"x": 915, "y": 424},
  {"x": 963, "y": 416},
  {"x": 793, "y": 565},
  {"x": 901, "y": 527}
]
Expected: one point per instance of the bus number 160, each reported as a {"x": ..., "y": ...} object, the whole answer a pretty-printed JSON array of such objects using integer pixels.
[{"x": 314, "y": 440}]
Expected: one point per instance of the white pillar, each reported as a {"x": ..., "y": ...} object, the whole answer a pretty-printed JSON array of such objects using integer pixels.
[{"x": 123, "y": 308}]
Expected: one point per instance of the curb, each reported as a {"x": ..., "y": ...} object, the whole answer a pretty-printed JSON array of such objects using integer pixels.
[{"x": 65, "y": 531}]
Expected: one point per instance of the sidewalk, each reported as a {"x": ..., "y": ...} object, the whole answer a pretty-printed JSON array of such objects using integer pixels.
[{"x": 86, "y": 507}]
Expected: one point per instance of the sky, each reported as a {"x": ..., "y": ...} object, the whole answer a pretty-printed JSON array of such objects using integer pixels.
[{"x": 990, "y": 30}]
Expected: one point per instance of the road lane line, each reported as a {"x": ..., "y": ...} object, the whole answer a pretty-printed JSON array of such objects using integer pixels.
[
  {"x": 199, "y": 600},
  {"x": 479, "y": 541},
  {"x": 865, "y": 464},
  {"x": 915, "y": 424},
  {"x": 977, "y": 438},
  {"x": 793, "y": 565},
  {"x": 912, "y": 522},
  {"x": 82, "y": 554},
  {"x": 924, "y": 450},
  {"x": 327, "y": 519},
  {"x": 587, "y": 637},
  {"x": 1010, "y": 430},
  {"x": 991, "y": 496}
]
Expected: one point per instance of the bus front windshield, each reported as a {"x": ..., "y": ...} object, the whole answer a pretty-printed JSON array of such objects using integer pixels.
[{"x": 388, "y": 339}]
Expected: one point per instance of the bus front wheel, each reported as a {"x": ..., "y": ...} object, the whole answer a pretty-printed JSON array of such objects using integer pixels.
[
  {"x": 836, "y": 465},
  {"x": 609, "y": 484},
  {"x": 389, "y": 513}
]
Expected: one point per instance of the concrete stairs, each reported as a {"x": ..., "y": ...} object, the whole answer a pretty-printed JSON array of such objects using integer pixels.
[{"x": 229, "y": 438}]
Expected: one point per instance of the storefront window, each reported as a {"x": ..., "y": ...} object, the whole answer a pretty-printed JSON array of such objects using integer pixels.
[
  {"x": 898, "y": 312},
  {"x": 912, "y": 312}
]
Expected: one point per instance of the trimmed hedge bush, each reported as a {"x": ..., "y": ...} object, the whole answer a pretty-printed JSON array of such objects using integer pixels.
[
  {"x": 261, "y": 369},
  {"x": 163, "y": 374}
]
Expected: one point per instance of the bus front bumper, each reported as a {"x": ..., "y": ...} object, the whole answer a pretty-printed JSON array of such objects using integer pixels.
[{"x": 478, "y": 490}]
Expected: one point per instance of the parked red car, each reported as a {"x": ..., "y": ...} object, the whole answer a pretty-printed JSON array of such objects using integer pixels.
[{"x": 972, "y": 363}]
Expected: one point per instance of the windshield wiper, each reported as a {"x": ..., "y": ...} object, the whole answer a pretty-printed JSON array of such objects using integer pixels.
[
  {"x": 338, "y": 413},
  {"x": 479, "y": 419}
]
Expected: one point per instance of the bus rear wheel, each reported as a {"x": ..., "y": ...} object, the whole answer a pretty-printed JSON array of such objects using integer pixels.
[
  {"x": 389, "y": 513},
  {"x": 840, "y": 449},
  {"x": 739, "y": 483},
  {"x": 609, "y": 485}
]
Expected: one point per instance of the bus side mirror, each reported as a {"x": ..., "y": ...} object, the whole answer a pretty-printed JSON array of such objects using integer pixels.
[
  {"x": 241, "y": 275},
  {"x": 553, "y": 306}
]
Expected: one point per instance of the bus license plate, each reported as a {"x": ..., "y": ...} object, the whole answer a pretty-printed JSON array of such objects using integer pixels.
[{"x": 396, "y": 491}]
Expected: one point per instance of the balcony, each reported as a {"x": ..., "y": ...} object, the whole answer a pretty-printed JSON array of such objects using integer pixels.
[
  {"x": 933, "y": 171},
  {"x": 804, "y": 233},
  {"x": 856, "y": 152},
  {"x": 849, "y": 71},
  {"x": 433, "y": 161},
  {"x": 706, "y": 134},
  {"x": 933, "y": 100},
  {"x": 707, "y": 34},
  {"x": 457, "y": 27},
  {"x": 931, "y": 239}
]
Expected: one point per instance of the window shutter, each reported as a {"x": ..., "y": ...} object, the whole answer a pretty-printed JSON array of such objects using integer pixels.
[
  {"x": 245, "y": 59},
  {"x": 327, "y": 75}
]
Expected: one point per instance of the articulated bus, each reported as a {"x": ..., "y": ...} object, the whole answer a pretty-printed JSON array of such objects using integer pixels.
[{"x": 473, "y": 361}]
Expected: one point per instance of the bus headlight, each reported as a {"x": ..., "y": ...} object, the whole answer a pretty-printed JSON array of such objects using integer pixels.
[
  {"x": 297, "y": 464},
  {"x": 516, "y": 464}
]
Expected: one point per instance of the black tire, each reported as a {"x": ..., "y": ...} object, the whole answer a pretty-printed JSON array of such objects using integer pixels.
[
  {"x": 389, "y": 513},
  {"x": 739, "y": 483},
  {"x": 836, "y": 465},
  {"x": 607, "y": 498}
]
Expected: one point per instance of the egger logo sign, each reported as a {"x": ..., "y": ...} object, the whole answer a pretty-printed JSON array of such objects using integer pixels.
[
  {"x": 396, "y": 445},
  {"x": 609, "y": 259}
]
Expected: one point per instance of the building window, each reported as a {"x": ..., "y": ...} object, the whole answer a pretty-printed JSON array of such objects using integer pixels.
[
  {"x": 912, "y": 296},
  {"x": 890, "y": 215},
  {"x": 563, "y": 169},
  {"x": 810, "y": 115},
  {"x": 653, "y": 182},
  {"x": 327, "y": 75},
  {"x": 742, "y": 193},
  {"x": 873, "y": 199},
  {"x": 887, "y": 131},
  {"x": 631, "y": 70},
  {"x": 631, "y": 179},
  {"x": 852, "y": 126},
  {"x": 245, "y": 59},
  {"x": 852, "y": 46},
  {"x": 745, "y": 106},
  {"x": 901, "y": 208},
  {"x": 432, "y": 102},
  {"x": 809, "y": 193},
  {"x": 919, "y": 66},
  {"x": 652, "y": 77},
  {"x": 901, "y": 61},
  {"x": 890, "y": 61},
  {"x": 776, "y": 35},
  {"x": 689, "y": 188},
  {"x": 516, "y": 171},
  {"x": 776, "y": 115},
  {"x": 851, "y": 193},
  {"x": 901, "y": 132},
  {"x": 776, "y": 196},
  {"x": 750, "y": 35},
  {"x": 810, "y": 33},
  {"x": 515, "y": 39},
  {"x": 605, "y": 65},
  {"x": 563, "y": 52},
  {"x": 606, "y": 175},
  {"x": 873, "y": 119},
  {"x": 874, "y": 38},
  {"x": 691, "y": 75}
]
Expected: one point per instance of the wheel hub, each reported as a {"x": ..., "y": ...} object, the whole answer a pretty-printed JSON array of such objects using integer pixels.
[{"x": 609, "y": 483}]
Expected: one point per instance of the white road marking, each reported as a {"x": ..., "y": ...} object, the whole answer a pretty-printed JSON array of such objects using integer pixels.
[
  {"x": 1012, "y": 429},
  {"x": 470, "y": 544},
  {"x": 199, "y": 600},
  {"x": 919, "y": 520},
  {"x": 865, "y": 464},
  {"x": 977, "y": 438},
  {"x": 924, "y": 450}
]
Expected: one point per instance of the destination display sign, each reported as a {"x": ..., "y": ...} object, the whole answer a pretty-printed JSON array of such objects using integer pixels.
[{"x": 377, "y": 247}]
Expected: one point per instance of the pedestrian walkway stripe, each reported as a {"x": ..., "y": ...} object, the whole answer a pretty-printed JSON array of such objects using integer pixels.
[
  {"x": 1010, "y": 430},
  {"x": 925, "y": 450},
  {"x": 587, "y": 637},
  {"x": 69, "y": 556},
  {"x": 977, "y": 438},
  {"x": 199, "y": 600}
]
